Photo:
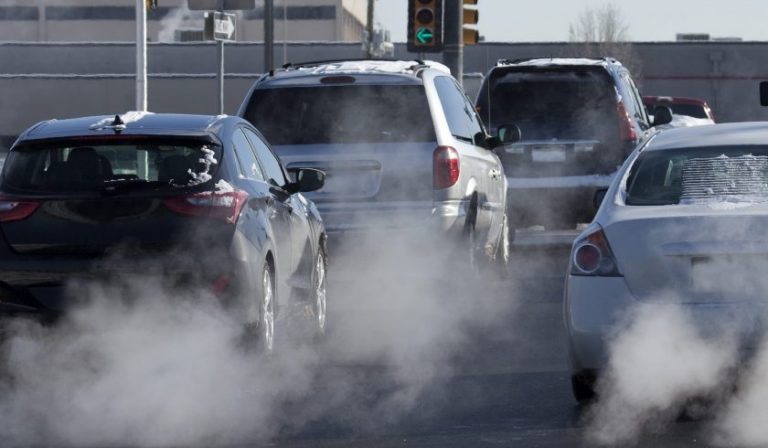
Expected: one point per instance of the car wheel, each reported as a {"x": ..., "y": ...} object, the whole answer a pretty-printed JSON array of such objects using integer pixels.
[
  {"x": 583, "y": 388},
  {"x": 266, "y": 325},
  {"x": 503, "y": 249},
  {"x": 470, "y": 242},
  {"x": 319, "y": 283}
]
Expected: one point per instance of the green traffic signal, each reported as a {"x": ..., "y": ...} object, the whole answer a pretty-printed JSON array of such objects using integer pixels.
[{"x": 425, "y": 36}]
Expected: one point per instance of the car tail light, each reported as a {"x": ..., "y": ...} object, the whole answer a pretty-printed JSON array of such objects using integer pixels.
[
  {"x": 220, "y": 285},
  {"x": 11, "y": 210},
  {"x": 445, "y": 167},
  {"x": 592, "y": 255},
  {"x": 626, "y": 130},
  {"x": 224, "y": 206}
]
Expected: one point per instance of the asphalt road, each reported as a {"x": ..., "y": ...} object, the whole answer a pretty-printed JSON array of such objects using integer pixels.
[{"x": 507, "y": 386}]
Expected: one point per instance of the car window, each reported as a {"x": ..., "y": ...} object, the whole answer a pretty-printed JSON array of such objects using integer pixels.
[
  {"x": 249, "y": 166},
  {"x": 631, "y": 100},
  {"x": 272, "y": 169},
  {"x": 82, "y": 165},
  {"x": 699, "y": 175},
  {"x": 551, "y": 102},
  {"x": 638, "y": 100},
  {"x": 459, "y": 112},
  {"x": 340, "y": 114}
]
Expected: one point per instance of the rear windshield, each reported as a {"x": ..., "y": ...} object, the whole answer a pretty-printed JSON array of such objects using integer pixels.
[
  {"x": 700, "y": 176},
  {"x": 691, "y": 110},
  {"x": 550, "y": 103},
  {"x": 342, "y": 114},
  {"x": 74, "y": 165}
]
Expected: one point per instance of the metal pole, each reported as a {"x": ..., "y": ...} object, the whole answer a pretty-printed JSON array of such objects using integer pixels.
[
  {"x": 285, "y": 31},
  {"x": 369, "y": 28},
  {"x": 269, "y": 35},
  {"x": 141, "y": 55},
  {"x": 220, "y": 75},
  {"x": 453, "y": 52}
]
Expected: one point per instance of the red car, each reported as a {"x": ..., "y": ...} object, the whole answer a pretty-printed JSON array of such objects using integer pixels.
[{"x": 691, "y": 107}]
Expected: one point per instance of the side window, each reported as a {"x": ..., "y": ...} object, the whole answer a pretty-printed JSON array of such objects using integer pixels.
[
  {"x": 454, "y": 103},
  {"x": 638, "y": 98},
  {"x": 272, "y": 169},
  {"x": 633, "y": 105},
  {"x": 248, "y": 164}
]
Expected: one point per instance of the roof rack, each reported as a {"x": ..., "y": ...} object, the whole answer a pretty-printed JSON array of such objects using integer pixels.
[
  {"x": 519, "y": 60},
  {"x": 289, "y": 65}
]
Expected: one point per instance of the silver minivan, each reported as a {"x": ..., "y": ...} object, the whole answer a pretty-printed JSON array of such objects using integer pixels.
[{"x": 401, "y": 144}]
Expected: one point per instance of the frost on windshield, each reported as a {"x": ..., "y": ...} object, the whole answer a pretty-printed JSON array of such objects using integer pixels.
[
  {"x": 723, "y": 179},
  {"x": 207, "y": 160}
]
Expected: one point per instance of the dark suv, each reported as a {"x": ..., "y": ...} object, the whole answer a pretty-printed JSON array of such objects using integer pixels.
[{"x": 579, "y": 119}]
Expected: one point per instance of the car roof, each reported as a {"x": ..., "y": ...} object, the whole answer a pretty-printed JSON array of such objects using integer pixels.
[
  {"x": 724, "y": 134},
  {"x": 385, "y": 71},
  {"x": 674, "y": 100},
  {"x": 135, "y": 123}
]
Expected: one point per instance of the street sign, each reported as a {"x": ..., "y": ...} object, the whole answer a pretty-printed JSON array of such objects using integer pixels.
[
  {"x": 221, "y": 5},
  {"x": 219, "y": 26}
]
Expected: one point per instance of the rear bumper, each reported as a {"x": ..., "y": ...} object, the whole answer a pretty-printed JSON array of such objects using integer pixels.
[
  {"x": 426, "y": 216},
  {"x": 594, "y": 306}
]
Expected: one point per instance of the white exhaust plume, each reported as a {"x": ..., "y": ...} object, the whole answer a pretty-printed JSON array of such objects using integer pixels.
[
  {"x": 146, "y": 366},
  {"x": 659, "y": 361}
]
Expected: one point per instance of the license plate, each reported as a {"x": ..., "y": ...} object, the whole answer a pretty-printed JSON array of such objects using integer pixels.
[
  {"x": 550, "y": 154},
  {"x": 729, "y": 276}
]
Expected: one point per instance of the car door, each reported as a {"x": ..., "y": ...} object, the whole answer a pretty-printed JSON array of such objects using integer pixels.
[
  {"x": 481, "y": 169},
  {"x": 293, "y": 211},
  {"x": 273, "y": 201}
]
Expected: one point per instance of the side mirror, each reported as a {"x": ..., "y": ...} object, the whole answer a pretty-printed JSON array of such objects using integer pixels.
[
  {"x": 662, "y": 115},
  {"x": 764, "y": 93},
  {"x": 307, "y": 179},
  {"x": 597, "y": 200},
  {"x": 509, "y": 134}
]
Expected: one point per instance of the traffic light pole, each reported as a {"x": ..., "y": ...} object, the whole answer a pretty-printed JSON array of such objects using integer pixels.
[
  {"x": 141, "y": 55},
  {"x": 453, "y": 50},
  {"x": 269, "y": 35}
]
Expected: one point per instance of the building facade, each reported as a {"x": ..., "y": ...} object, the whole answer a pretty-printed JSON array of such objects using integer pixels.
[{"x": 114, "y": 21}]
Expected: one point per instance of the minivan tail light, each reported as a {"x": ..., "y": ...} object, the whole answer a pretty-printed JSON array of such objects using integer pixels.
[
  {"x": 445, "y": 167},
  {"x": 11, "y": 210},
  {"x": 224, "y": 206},
  {"x": 592, "y": 255},
  {"x": 627, "y": 132}
]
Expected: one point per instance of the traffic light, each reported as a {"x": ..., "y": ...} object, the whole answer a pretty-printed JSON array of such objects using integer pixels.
[
  {"x": 425, "y": 26},
  {"x": 471, "y": 16},
  {"x": 151, "y": 4}
]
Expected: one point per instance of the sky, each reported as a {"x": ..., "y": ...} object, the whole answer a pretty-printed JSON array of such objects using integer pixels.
[{"x": 648, "y": 20}]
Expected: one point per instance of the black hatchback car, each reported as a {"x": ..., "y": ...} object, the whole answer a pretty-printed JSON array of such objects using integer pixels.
[{"x": 91, "y": 197}]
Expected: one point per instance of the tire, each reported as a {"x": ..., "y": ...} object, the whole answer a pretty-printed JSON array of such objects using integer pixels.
[
  {"x": 583, "y": 388},
  {"x": 468, "y": 243},
  {"x": 266, "y": 296},
  {"x": 319, "y": 294},
  {"x": 503, "y": 250}
]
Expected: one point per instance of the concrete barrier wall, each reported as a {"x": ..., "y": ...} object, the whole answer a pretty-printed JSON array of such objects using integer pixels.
[{"x": 55, "y": 80}]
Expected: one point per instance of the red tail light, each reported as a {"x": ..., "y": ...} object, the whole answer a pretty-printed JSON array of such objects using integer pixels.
[
  {"x": 11, "y": 210},
  {"x": 626, "y": 130},
  {"x": 592, "y": 255},
  {"x": 224, "y": 206},
  {"x": 445, "y": 167}
]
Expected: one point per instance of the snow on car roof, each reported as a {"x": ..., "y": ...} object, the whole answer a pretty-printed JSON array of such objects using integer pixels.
[
  {"x": 725, "y": 134},
  {"x": 543, "y": 62},
  {"x": 370, "y": 66}
]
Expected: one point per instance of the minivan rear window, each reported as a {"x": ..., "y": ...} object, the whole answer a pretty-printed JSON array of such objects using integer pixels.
[
  {"x": 83, "y": 165},
  {"x": 699, "y": 176},
  {"x": 342, "y": 114},
  {"x": 546, "y": 103}
]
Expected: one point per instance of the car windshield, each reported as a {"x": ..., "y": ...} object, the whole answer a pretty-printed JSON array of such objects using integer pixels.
[
  {"x": 342, "y": 114},
  {"x": 547, "y": 103},
  {"x": 699, "y": 175},
  {"x": 83, "y": 165}
]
